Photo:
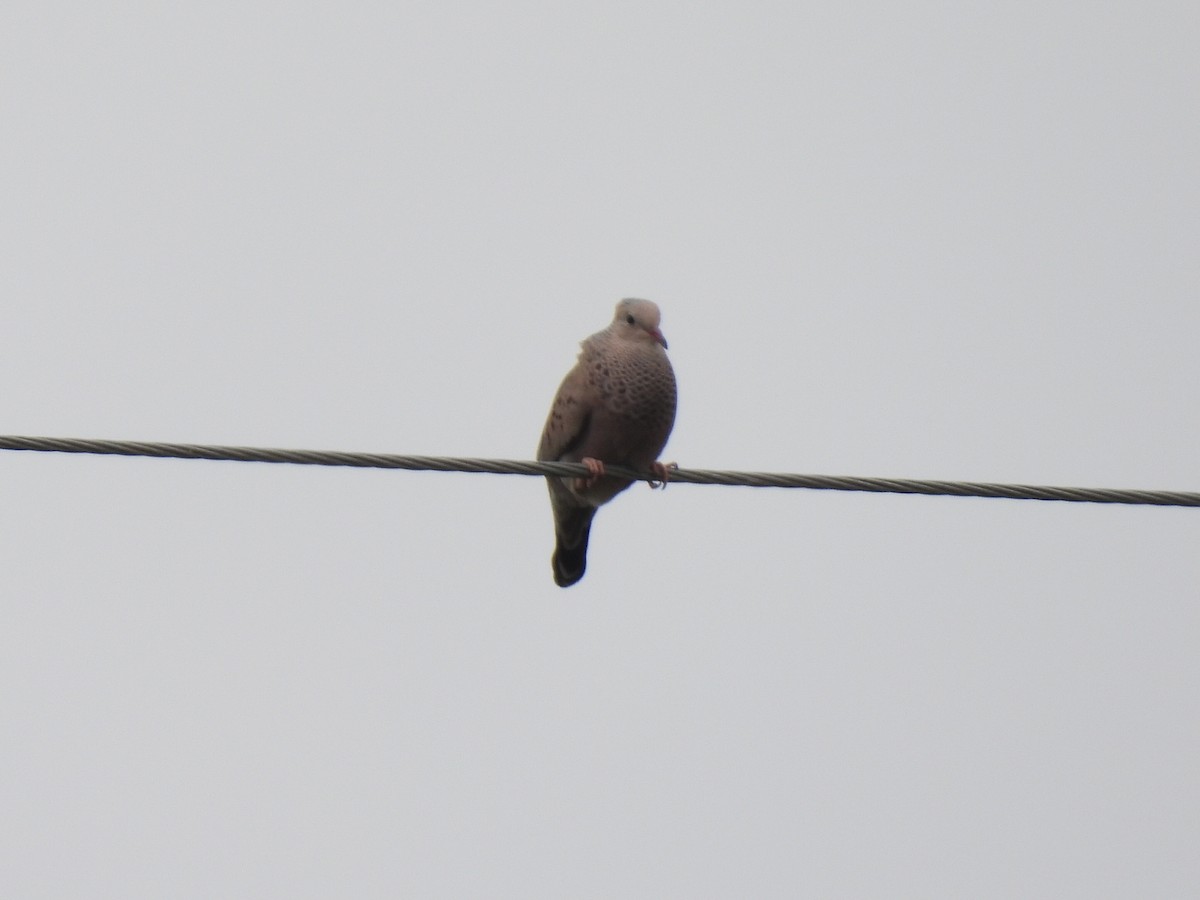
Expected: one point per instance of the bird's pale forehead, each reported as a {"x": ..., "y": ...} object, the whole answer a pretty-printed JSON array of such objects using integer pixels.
[{"x": 643, "y": 309}]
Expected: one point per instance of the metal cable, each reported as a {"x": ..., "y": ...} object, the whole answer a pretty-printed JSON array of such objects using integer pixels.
[{"x": 521, "y": 467}]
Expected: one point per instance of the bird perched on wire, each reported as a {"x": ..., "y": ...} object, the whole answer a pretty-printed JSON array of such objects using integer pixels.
[{"x": 616, "y": 407}]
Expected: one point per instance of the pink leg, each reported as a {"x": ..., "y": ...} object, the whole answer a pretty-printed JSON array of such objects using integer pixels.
[
  {"x": 661, "y": 473},
  {"x": 595, "y": 472}
]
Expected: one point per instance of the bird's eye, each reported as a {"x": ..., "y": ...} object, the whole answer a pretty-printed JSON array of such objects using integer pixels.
[{"x": 629, "y": 319}]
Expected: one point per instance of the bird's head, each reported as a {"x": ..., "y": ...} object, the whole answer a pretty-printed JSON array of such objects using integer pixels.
[{"x": 637, "y": 320}]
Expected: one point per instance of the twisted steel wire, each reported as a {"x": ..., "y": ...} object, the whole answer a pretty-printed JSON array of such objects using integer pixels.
[{"x": 524, "y": 467}]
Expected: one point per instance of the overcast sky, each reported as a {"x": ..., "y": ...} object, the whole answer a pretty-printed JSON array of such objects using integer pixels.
[{"x": 929, "y": 240}]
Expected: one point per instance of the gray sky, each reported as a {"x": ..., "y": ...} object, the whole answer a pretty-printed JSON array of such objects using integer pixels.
[{"x": 929, "y": 240}]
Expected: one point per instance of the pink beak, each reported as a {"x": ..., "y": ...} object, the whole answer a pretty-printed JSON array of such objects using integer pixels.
[{"x": 657, "y": 335}]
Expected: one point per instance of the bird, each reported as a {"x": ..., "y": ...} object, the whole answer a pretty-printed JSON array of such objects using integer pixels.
[{"x": 616, "y": 407}]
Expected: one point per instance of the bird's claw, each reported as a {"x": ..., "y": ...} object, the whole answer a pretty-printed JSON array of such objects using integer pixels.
[
  {"x": 662, "y": 474},
  {"x": 595, "y": 469}
]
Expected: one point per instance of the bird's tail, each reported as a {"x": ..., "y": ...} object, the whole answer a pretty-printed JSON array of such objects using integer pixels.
[{"x": 570, "y": 551}]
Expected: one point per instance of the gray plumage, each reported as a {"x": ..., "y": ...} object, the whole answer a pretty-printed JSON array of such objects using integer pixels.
[{"x": 617, "y": 406}]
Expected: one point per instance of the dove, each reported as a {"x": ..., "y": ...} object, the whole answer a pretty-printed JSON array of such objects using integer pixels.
[{"x": 616, "y": 407}]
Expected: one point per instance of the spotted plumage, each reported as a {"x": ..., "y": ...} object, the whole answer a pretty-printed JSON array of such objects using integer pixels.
[{"x": 616, "y": 407}]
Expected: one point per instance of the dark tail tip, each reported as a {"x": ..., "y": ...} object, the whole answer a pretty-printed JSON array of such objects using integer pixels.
[
  {"x": 570, "y": 551},
  {"x": 569, "y": 565}
]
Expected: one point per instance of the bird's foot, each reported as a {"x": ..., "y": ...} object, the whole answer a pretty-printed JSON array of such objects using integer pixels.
[
  {"x": 595, "y": 472},
  {"x": 662, "y": 474}
]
